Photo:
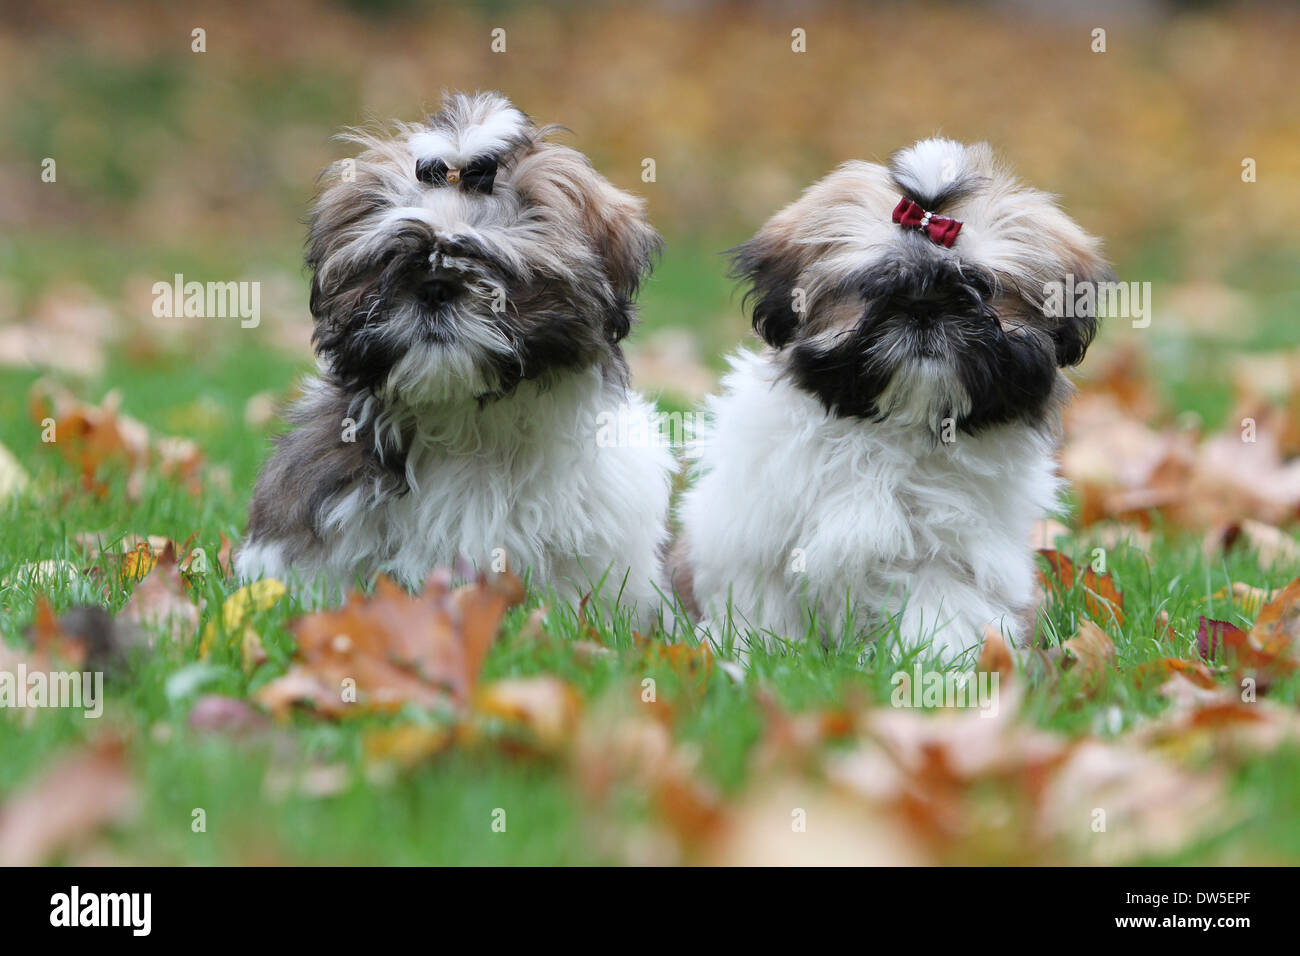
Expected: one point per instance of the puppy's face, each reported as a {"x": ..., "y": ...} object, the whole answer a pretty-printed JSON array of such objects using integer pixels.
[
  {"x": 881, "y": 321},
  {"x": 454, "y": 259}
]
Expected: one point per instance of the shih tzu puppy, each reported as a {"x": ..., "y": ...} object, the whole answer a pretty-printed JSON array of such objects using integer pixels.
[
  {"x": 471, "y": 284},
  {"x": 880, "y": 464}
]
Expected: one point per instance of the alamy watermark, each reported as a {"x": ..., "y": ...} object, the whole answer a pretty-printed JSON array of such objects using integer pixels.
[
  {"x": 1110, "y": 299},
  {"x": 931, "y": 688},
  {"x": 629, "y": 427},
  {"x": 83, "y": 690},
  {"x": 179, "y": 299}
]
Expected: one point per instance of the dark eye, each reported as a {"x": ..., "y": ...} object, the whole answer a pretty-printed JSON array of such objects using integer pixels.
[
  {"x": 432, "y": 172},
  {"x": 480, "y": 173}
]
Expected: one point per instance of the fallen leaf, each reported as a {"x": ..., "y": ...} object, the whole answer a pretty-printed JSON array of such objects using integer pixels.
[
  {"x": 1272, "y": 545},
  {"x": 404, "y": 746},
  {"x": 98, "y": 437},
  {"x": 544, "y": 706},
  {"x": 61, "y": 809},
  {"x": 235, "y": 619},
  {"x": 1194, "y": 671},
  {"x": 995, "y": 657},
  {"x": 162, "y": 602},
  {"x": 392, "y": 648},
  {"x": 1277, "y": 628},
  {"x": 692, "y": 663},
  {"x": 1094, "y": 652},
  {"x": 1100, "y": 595}
]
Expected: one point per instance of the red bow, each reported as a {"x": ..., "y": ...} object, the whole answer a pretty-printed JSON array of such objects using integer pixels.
[{"x": 940, "y": 230}]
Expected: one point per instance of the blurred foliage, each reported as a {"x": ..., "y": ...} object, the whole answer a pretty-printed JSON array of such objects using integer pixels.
[{"x": 1144, "y": 141}]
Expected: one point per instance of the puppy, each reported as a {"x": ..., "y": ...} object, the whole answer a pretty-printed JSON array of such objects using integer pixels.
[
  {"x": 471, "y": 285},
  {"x": 878, "y": 467}
]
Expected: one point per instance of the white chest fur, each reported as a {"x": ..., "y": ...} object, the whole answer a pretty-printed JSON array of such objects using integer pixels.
[
  {"x": 797, "y": 516},
  {"x": 525, "y": 481}
]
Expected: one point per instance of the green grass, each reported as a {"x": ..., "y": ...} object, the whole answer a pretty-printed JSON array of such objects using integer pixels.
[{"x": 441, "y": 811}]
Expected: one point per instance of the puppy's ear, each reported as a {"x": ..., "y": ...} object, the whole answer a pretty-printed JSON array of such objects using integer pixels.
[
  {"x": 559, "y": 178},
  {"x": 1077, "y": 263},
  {"x": 770, "y": 268},
  {"x": 1074, "y": 331},
  {"x": 626, "y": 242}
]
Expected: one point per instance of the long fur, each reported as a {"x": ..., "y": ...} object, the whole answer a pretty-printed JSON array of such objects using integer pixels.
[
  {"x": 884, "y": 459},
  {"x": 468, "y": 343}
]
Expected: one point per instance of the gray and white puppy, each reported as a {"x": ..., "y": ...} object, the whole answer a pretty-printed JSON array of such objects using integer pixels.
[{"x": 472, "y": 283}]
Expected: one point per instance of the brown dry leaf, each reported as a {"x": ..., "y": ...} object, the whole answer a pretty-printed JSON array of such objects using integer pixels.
[
  {"x": 1094, "y": 652},
  {"x": 970, "y": 788},
  {"x": 1101, "y": 597},
  {"x": 1249, "y": 598},
  {"x": 794, "y": 740},
  {"x": 392, "y": 648},
  {"x": 227, "y": 715},
  {"x": 1217, "y": 728},
  {"x": 1277, "y": 629},
  {"x": 1267, "y": 390},
  {"x": 51, "y": 642},
  {"x": 1121, "y": 375},
  {"x": 1162, "y": 669},
  {"x": 544, "y": 706},
  {"x": 1123, "y": 468},
  {"x": 960, "y": 781},
  {"x": 162, "y": 602},
  {"x": 83, "y": 637},
  {"x": 995, "y": 656},
  {"x": 794, "y": 823},
  {"x": 1263, "y": 654},
  {"x": 1119, "y": 466},
  {"x": 1272, "y": 545},
  {"x": 63, "y": 808},
  {"x": 624, "y": 747},
  {"x": 95, "y": 437},
  {"x": 1115, "y": 803}
]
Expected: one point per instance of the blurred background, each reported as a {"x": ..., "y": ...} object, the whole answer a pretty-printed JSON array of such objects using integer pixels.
[
  {"x": 169, "y": 160},
  {"x": 128, "y": 156}
]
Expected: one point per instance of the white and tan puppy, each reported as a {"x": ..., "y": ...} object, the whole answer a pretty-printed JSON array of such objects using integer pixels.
[
  {"x": 880, "y": 464},
  {"x": 471, "y": 285}
]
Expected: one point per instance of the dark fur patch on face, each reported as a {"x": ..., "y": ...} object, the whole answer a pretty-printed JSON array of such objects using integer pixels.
[
  {"x": 351, "y": 315},
  {"x": 928, "y": 309},
  {"x": 771, "y": 279}
]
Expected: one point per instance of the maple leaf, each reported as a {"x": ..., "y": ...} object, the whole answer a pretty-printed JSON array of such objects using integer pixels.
[
  {"x": 1101, "y": 597},
  {"x": 393, "y": 648},
  {"x": 97, "y": 437},
  {"x": 1261, "y": 653}
]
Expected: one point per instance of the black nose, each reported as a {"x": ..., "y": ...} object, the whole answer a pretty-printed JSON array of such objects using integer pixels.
[{"x": 435, "y": 293}]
